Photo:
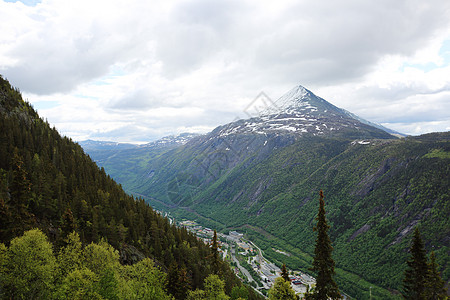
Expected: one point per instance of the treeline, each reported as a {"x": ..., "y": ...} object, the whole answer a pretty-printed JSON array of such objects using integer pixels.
[{"x": 48, "y": 182}]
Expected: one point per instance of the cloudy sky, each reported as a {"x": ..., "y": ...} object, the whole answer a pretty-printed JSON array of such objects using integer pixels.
[{"x": 135, "y": 70}]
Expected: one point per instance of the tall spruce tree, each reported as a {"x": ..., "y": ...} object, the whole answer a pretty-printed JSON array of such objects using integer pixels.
[
  {"x": 284, "y": 273},
  {"x": 215, "y": 256},
  {"x": 417, "y": 271},
  {"x": 434, "y": 285},
  {"x": 323, "y": 263}
]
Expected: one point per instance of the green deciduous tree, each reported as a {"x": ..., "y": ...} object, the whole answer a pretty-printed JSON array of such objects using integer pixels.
[
  {"x": 197, "y": 295},
  {"x": 239, "y": 292},
  {"x": 100, "y": 257},
  {"x": 323, "y": 263},
  {"x": 282, "y": 290},
  {"x": 214, "y": 290},
  {"x": 143, "y": 281},
  {"x": 70, "y": 257},
  {"x": 108, "y": 286},
  {"x": 417, "y": 271},
  {"x": 79, "y": 284},
  {"x": 29, "y": 267}
]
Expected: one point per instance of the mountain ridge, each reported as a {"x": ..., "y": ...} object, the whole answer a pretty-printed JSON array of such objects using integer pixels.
[{"x": 259, "y": 173}]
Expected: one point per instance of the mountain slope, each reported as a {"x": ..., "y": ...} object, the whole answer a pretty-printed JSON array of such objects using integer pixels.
[
  {"x": 126, "y": 163},
  {"x": 262, "y": 176},
  {"x": 47, "y": 181}
]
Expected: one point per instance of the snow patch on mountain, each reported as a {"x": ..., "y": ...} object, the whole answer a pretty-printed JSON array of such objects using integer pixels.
[
  {"x": 172, "y": 140},
  {"x": 297, "y": 112}
]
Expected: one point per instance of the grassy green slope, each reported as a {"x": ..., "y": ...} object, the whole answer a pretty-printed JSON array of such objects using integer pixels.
[{"x": 375, "y": 194}]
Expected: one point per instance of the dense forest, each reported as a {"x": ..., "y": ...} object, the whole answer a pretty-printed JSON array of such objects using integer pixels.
[{"x": 53, "y": 195}]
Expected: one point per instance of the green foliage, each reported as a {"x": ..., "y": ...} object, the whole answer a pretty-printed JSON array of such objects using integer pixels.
[
  {"x": 417, "y": 272},
  {"x": 215, "y": 256},
  {"x": 143, "y": 281},
  {"x": 100, "y": 257},
  {"x": 28, "y": 267},
  {"x": 197, "y": 295},
  {"x": 70, "y": 257},
  {"x": 284, "y": 273},
  {"x": 239, "y": 292},
  {"x": 29, "y": 270},
  {"x": 108, "y": 285},
  {"x": 422, "y": 279},
  {"x": 79, "y": 284},
  {"x": 282, "y": 290},
  {"x": 438, "y": 153},
  {"x": 178, "y": 283},
  {"x": 214, "y": 290},
  {"x": 434, "y": 285},
  {"x": 323, "y": 264}
]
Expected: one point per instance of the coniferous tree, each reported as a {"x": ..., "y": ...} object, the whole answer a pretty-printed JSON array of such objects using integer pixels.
[
  {"x": 215, "y": 258},
  {"x": 434, "y": 285},
  {"x": 284, "y": 273},
  {"x": 417, "y": 270},
  {"x": 323, "y": 263},
  {"x": 5, "y": 213},
  {"x": 68, "y": 225},
  {"x": 177, "y": 281},
  {"x": 20, "y": 196}
]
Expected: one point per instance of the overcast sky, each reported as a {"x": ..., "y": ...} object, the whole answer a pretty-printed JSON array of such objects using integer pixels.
[{"x": 136, "y": 70}]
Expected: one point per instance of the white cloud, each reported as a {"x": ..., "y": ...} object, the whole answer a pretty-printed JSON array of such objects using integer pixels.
[{"x": 154, "y": 67}]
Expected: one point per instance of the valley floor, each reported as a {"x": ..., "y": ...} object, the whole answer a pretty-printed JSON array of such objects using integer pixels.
[{"x": 248, "y": 260}]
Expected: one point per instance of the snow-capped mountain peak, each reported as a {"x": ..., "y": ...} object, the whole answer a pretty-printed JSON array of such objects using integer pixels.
[
  {"x": 300, "y": 112},
  {"x": 294, "y": 99}
]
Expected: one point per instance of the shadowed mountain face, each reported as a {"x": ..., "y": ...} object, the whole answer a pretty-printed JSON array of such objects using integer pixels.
[{"x": 262, "y": 176}]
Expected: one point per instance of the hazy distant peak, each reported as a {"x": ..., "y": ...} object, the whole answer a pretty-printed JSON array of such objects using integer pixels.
[{"x": 172, "y": 140}]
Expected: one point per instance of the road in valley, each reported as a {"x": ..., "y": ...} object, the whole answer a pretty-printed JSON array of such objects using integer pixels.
[{"x": 243, "y": 270}]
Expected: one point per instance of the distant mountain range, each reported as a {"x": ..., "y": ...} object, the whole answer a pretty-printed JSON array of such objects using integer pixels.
[
  {"x": 91, "y": 145},
  {"x": 168, "y": 141},
  {"x": 262, "y": 175}
]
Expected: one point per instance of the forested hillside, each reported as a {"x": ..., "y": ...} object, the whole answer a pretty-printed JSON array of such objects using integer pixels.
[
  {"x": 48, "y": 182},
  {"x": 377, "y": 191}
]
